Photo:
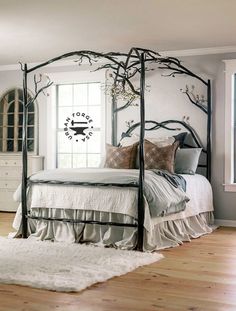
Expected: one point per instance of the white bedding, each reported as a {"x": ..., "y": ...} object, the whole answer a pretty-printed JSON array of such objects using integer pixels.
[
  {"x": 161, "y": 232},
  {"x": 117, "y": 200},
  {"x": 112, "y": 199}
]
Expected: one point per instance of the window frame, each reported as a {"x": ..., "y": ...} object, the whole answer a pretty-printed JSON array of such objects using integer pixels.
[
  {"x": 73, "y": 77},
  {"x": 230, "y": 95}
]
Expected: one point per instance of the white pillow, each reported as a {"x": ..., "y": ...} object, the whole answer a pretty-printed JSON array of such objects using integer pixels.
[{"x": 159, "y": 141}]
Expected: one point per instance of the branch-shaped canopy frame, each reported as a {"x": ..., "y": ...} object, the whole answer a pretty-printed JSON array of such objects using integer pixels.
[{"x": 125, "y": 68}]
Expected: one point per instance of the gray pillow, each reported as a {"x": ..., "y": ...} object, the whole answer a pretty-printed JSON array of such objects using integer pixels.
[{"x": 186, "y": 160}]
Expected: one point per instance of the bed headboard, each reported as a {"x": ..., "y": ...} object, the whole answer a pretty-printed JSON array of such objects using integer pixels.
[{"x": 192, "y": 141}]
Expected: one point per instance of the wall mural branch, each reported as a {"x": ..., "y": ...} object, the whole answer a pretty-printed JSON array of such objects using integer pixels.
[
  {"x": 38, "y": 90},
  {"x": 196, "y": 100}
]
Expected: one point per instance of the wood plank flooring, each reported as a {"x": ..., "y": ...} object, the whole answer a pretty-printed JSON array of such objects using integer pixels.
[
  {"x": 6, "y": 220},
  {"x": 197, "y": 276}
]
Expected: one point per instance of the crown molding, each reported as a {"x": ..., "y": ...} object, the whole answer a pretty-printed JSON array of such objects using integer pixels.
[
  {"x": 176, "y": 53},
  {"x": 16, "y": 67},
  {"x": 202, "y": 51}
]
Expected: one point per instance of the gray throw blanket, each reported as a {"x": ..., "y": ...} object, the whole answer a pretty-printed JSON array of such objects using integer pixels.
[{"x": 175, "y": 180}]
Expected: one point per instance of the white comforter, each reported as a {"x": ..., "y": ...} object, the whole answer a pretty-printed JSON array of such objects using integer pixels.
[{"x": 117, "y": 200}]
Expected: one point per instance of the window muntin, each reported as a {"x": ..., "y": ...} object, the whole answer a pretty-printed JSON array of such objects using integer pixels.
[
  {"x": 72, "y": 98},
  {"x": 11, "y": 121}
]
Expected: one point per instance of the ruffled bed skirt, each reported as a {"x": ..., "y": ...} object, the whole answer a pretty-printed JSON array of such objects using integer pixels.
[
  {"x": 162, "y": 235},
  {"x": 172, "y": 233}
]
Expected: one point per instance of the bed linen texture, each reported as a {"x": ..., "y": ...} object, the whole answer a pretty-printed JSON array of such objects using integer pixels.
[
  {"x": 160, "y": 232},
  {"x": 162, "y": 197}
]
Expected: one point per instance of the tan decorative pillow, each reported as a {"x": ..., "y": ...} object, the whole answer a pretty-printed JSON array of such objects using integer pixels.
[
  {"x": 159, "y": 141},
  {"x": 121, "y": 157},
  {"x": 160, "y": 157}
]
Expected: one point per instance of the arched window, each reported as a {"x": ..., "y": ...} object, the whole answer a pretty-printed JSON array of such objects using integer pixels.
[{"x": 11, "y": 120}]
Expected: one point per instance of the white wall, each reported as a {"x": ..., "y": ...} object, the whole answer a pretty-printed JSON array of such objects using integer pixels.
[{"x": 165, "y": 101}]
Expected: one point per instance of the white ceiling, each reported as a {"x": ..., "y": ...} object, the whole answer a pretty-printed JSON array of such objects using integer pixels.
[{"x": 35, "y": 30}]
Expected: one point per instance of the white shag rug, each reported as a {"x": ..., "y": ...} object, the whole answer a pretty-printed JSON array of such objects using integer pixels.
[{"x": 64, "y": 267}]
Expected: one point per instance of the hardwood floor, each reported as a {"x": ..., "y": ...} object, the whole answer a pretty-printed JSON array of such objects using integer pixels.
[
  {"x": 6, "y": 220},
  {"x": 198, "y": 276}
]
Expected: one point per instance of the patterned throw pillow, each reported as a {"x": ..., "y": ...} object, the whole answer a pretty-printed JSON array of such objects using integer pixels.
[
  {"x": 160, "y": 157},
  {"x": 121, "y": 157}
]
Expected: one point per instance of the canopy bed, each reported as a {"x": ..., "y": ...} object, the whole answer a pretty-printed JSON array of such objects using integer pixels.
[{"x": 116, "y": 185}]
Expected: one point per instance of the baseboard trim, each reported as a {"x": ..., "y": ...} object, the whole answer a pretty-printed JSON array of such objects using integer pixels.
[{"x": 225, "y": 222}]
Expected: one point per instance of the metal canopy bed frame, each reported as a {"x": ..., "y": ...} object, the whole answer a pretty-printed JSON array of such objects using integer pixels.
[{"x": 124, "y": 67}]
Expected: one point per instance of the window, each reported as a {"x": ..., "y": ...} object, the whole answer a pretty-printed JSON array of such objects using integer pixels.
[
  {"x": 11, "y": 120},
  {"x": 230, "y": 125},
  {"x": 78, "y": 98}
]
